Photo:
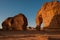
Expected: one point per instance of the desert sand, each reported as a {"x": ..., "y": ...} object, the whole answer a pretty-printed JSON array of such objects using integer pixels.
[{"x": 29, "y": 35}]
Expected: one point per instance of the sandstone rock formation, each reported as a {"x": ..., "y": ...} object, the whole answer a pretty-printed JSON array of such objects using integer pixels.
[
  {"x": 49, "y": 15},
  {"x": 18, "y": 22},
  {"x": 6, "y": 24}
]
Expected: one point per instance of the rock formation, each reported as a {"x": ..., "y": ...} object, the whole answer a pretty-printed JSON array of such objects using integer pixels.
[
  {"x": 6, "y": 24},
  {"x": 49, "y": 15},
  {"x": 30, "y": 28},
  {"x": 18, "y": 22}
]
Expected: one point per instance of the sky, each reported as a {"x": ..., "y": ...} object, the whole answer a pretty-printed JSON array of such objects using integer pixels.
[{"x": 10, "y": 8}]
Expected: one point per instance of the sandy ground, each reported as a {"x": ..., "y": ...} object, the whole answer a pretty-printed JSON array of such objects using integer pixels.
[{"x": 28, "y": 35}]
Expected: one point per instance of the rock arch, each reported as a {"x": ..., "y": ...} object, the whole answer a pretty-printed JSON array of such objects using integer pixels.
[{"x": 46, "y": 13}]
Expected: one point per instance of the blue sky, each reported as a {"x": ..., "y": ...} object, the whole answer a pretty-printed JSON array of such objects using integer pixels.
[{"x": 9, "y": 8}]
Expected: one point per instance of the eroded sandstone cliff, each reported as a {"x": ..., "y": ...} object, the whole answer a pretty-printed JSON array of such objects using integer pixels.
[{"x": 50, "y": 14}]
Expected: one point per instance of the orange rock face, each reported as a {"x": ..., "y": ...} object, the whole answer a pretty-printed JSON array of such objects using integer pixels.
[
  {"x": 18, "y": 22},
  {"x": 49, "y": 15}
]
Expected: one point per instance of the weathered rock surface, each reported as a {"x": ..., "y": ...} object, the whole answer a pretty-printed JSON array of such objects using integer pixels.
[
  {"x": 49, "y": 15},
  {"x": 18, "y": 22},
  {"x": 6, "y": 24}
]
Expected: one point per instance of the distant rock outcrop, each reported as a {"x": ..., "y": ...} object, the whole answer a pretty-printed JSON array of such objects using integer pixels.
[
  {"x": 48, "y": 15},
  {"x": 18, "y": 22},
  {"x": 30, "y": 28}
]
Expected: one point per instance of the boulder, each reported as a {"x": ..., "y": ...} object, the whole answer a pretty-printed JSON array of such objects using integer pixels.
[
  {"x": 18, "y": 22},
  {"x": 6, "y": 24},
  {"x": 49, "y": 15}
]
